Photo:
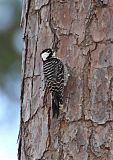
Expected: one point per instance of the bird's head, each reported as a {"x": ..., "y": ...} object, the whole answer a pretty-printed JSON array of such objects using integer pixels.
[{"x": 47, "y": 54}]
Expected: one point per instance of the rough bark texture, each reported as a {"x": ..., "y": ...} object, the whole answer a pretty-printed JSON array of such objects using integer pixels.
[{"x": 82, "y": 33}]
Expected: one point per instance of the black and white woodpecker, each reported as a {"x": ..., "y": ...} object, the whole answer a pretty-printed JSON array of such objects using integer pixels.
[{"x": 53, "y": 69}]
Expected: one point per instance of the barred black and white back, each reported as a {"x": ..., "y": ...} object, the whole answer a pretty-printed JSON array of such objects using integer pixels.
[{"x": 53, "y": 69}]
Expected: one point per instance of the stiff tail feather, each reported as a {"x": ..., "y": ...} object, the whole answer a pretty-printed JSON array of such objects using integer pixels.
[{"x": 55, "y": 104}]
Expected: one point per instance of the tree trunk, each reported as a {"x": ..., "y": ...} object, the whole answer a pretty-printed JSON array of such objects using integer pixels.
[{"x": 82, "y": 33}]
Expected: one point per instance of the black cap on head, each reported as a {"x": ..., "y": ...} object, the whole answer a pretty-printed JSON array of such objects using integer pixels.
[{"x": 47, "y": 53}]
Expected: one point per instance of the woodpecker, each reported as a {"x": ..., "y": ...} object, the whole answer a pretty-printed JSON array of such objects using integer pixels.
[{"x": 53, "y": 70}]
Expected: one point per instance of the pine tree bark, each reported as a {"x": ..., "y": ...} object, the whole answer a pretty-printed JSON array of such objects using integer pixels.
[{"x": 82, "y": 33}]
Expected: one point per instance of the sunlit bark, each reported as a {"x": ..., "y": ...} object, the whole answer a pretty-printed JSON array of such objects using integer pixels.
[{"x": 82, "y": 33}]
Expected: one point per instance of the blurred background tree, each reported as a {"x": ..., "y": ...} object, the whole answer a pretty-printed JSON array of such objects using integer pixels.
[{"x": 10, "y": 68}]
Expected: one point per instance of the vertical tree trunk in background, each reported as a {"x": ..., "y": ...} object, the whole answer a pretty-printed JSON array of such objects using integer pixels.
[{"x": 82, "y": 31}]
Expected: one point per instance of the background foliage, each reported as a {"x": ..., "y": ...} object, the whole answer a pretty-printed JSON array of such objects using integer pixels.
[{"x": 10, "y": 68}]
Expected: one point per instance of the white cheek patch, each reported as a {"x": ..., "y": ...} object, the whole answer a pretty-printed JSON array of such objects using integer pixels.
[{"x": 45, "y": 55}]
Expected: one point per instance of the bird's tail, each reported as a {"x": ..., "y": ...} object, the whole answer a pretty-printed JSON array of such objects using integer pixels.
[{"x": 55, "y": 104}]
